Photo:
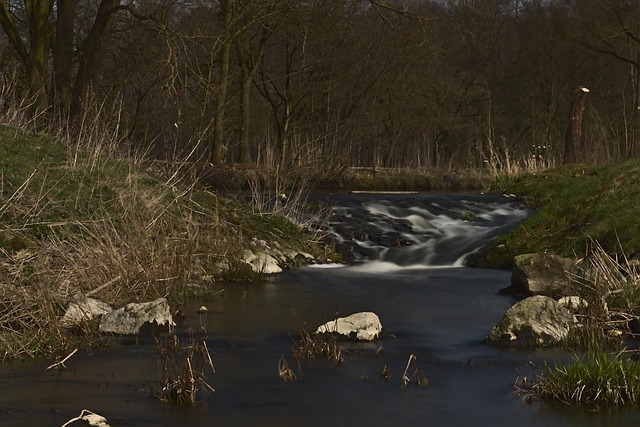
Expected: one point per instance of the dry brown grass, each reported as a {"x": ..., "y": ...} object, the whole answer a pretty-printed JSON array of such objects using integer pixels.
[
  {"x": 88, "y": 219},
  {"x": 184, "y": 370},
  {"x": 312, "y": 345}
]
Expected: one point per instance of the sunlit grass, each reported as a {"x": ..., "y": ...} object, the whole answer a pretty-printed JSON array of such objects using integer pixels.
[
  {"x": 596, "y": 377},
  {"x": 577, "y": 204}
]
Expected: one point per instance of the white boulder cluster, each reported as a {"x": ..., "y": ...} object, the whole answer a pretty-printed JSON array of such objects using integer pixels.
[{"x": 131, "y": 319}]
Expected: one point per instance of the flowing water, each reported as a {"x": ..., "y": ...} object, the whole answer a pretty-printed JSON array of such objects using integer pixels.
[{"x": 436, "y": 310}]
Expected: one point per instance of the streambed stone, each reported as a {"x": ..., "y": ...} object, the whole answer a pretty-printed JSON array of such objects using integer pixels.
[
  {"x": 89, "y": 418},
  {"x": 130, "y": 319},
  {"x": 261, "y": 262},
  {"x": 542, "y": 274},
  {"x": 364, "y": 326},
  {"x": 82, "y": 309},
  {"x": 536, "y": 321}
]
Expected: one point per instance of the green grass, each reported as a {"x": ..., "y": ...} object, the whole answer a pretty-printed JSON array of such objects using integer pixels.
[
  {"x": 610, "y": 379},
  {"x": 577, "y": 204}
]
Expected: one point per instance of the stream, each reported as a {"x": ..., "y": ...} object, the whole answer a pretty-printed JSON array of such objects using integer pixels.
[{"x": 409, "y": 255}]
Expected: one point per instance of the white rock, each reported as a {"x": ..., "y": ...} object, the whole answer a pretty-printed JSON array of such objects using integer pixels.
[
  {"x": 91, "y": 418},
  {"x": 82, "y": 309},
  {"x": 364, "y": 326},
  {"x": 533, "y": 322},
  {"x": 575, "y": 304},
  {"x": 129, "y": 319},
  {"x": 261, "y": 262}
]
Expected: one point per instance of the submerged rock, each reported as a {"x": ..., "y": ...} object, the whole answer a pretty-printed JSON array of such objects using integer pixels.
[
  {"x": 364, "y": 326},
  {"x": 534, "y": 322},
  {"x": 130, "y": 319},
  {"x": 82, "y": 309}
]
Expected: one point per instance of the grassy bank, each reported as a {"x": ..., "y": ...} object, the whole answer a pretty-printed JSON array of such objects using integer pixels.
[
  {"x": 577, "y": 205},
  {"x": 77, "y": 217},
  {"x": 586, "y": 212},
  {"x": 243, "y": 177}
]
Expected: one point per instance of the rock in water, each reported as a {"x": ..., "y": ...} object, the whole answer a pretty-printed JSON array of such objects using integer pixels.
[
  {"x": 82, "y": 309},
  {"x": 91, "y": 419},
  {"x": 363, "y": 326},
  {"x": 542, "y": 274},
  {"x": 534, "y": 322},
  {"x": 130, "y": 319},
  {"x": 261, "y": 262}
]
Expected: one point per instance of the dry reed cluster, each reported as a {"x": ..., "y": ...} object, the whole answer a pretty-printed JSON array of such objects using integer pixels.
[
  {"x": 84, "y": 212},
  {"x": 184, "y": 369}
]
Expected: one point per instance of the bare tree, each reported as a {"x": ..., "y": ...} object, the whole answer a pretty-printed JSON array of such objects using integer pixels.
[
  {"x": 574, "y": 146},
  {"x": 32, "y": 52}
]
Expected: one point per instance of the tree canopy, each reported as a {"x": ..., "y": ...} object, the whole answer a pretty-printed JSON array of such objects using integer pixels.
[{"x": 339, "y": 83}]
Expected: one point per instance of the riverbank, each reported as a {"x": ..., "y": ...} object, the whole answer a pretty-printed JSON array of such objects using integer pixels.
[
  {"x": 234, "y": 178},
  {"x": 84, "y": 218},
  {"x": 580, "y": 208},
  {"x": 78, "y": 218}
]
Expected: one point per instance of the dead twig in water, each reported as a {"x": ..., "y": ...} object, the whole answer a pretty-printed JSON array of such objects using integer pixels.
[
  {"x": 419, "y": 378},
  {"x": 285, "y": 374},
  {"x": 91, "y": 417},
  {"x": 183, "y": 370},
  {"x": 61, "y": 364},
  {"x": 405, "y": 378}
]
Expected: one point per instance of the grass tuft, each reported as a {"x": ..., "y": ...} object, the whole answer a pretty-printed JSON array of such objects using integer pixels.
[
  {"x": 184, "y": 370},
  {"x": 610, "y": 379}
]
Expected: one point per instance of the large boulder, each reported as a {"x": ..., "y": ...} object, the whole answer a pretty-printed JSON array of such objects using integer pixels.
[
  {"x": 533, "y": 322},
  {"x": 542, "y": 274},
  {"x": 364, "y": 326},
  {"x": 130, "y": 319},
  {"x": 82, "y": 309}
]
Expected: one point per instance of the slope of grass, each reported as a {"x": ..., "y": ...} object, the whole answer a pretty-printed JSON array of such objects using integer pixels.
[
  {"x": 577, "y": 205},
  {"x": 76, "y": 217}
]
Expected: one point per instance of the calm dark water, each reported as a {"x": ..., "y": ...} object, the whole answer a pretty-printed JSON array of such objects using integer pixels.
[{"x": 440, "y": 315}]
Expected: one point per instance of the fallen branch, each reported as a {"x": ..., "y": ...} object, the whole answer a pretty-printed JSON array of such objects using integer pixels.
[
  {"x": 405, "y": 378},
  {"x": 61, "y": 363},
  {"x": 109, "y": 283}
]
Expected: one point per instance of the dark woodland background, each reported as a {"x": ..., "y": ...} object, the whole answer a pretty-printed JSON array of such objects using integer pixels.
[{"x": 331, "y": 84}]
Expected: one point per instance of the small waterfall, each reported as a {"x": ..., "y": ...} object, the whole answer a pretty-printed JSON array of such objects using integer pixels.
[{"x": 419, "y": 230}]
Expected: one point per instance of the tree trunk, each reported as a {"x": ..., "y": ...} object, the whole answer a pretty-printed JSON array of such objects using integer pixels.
[
  {"x": 63, "y": 57},
  {"x": 573, "y": 147},
  {"x": 39, "y": 34},
  {"x": 245, "y": 107},
  {"x": 34, "y": 58},
  {"x": 92, "y": 54},
  {"x": 225, "y": 54},
  {"x": 249, "y": 64}
]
